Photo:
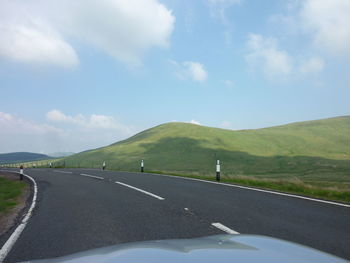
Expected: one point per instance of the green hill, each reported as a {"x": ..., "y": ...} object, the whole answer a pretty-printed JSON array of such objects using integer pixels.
[
  {"x": 312, "y": 151},
  {"x": 17, "y": 157}
]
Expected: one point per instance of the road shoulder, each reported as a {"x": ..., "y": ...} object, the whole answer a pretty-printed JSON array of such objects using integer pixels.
[{"x": 10, "y": 220}]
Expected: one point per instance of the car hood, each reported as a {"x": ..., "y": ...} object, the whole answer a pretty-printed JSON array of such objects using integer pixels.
[{"x": 219, "y": 248}]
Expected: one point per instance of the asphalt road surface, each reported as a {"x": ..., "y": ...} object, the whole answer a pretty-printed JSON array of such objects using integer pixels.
[{"x": 81, "y": 209}]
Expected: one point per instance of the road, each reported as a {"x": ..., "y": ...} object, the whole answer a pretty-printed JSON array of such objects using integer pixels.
[{"x": 81, "y": 209}]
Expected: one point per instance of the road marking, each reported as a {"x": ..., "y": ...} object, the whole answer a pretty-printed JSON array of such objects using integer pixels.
[
  {"x": 93, "y": 176},
  {"x": 6, "y": 248},
  {"x": 140, "y": 190},
  {"x": 224, "y": 228},
  {"x": 258, "y": 190},
  {"x": 64, "y": 172}
]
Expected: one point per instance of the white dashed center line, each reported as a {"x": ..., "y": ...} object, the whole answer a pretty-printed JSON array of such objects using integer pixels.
[
  {"x": 224, "y": 228},
  {"x": 64, "y": 172},
  {"x": 142, "y": 191},
  {"x": 93, "y": 176}
]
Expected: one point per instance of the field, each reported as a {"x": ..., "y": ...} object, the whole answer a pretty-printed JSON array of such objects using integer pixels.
[
  {"x": 314, "y": 151},
  {"x": 312, "y": 156},
  {"x": 9, "y": 191}
]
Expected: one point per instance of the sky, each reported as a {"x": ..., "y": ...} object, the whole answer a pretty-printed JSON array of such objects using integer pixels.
[{"x": 76, "y": 75}]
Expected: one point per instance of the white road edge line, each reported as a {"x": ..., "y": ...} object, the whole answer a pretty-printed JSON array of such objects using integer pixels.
[
  {"x": 6, "y": 248},
  {"x": 64, "y": 172},
  {"x": 93, "y": 176},
  {"x": 140, "y": 190},
  {"x": 258, "y": 190},
  {"x": 225, "y": 228}
]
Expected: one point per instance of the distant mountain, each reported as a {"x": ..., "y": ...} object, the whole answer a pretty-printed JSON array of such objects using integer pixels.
[
  {"x": 317, "y": 149},
  {"x": 17, "y": 157},
  {"x": 60, "y": 154}
]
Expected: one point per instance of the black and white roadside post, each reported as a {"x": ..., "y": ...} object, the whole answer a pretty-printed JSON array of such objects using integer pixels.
[
  {"x": 104, "y": 165},
  {"x": 50, "y": 165},
  {"x": 217, "y": 170},
  {"x": 142, "y": 165},
  {"x": 21, "y": 172}
]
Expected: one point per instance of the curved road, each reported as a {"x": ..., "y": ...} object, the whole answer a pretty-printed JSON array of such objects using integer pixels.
[{"x": 81, "y": 209}]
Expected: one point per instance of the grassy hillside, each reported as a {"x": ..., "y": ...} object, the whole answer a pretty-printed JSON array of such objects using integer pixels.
[
  {"x": 60, "y": 154},
  {"x": 317, "y": 151},
  {"x": 17, "y": 157}
]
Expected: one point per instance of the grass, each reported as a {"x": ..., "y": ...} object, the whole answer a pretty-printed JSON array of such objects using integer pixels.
[
  {"x": 317, "y": 153},
  {"x": 9, "y": 191},
  {"x": 294, "y": 186},
  {"x": 305, "y": 149}
]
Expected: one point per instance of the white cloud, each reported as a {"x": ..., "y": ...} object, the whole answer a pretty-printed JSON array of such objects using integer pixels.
[
  {"x": 329, "y": 24},
  {"x": 195, "y": 122},
  {"x": 218, "y": 8},
  {"x": 103, "y": 122},
  {"x": 312, "y": 65},
  {"x": 191, "y": 121},
  {"x": 93, "y": 121},
  {"x": 228, "y": 83},
  {"x": 325, "y": 23},
  {"x": 196, "y": 71},
  {"x": 17, "y": 134},
  {"x": 58, "y": 116},
  {"x": 123, "y": 29},
  {"x": 38, "y": 30},
  {"x": 64, "y": 133},
  {"x": 30, "y": 40},
  {"x": 226, "y": 125},
  {"x": 285, "y": 24},
  {"x": 11, "y": 124},
  {"x": 264, "y": 53},
  {"x": 190, "y": 69},
  {"x": 292, "y": 4},
  {"x": 224, "y": 2}
]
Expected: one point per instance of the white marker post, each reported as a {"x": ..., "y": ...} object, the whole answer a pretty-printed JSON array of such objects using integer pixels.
[
  {"x": 217, "y": 170},
  {"x": 21, "y": 172},
  {"x": 104, "y": 165},
  {"x": 142, "y": 165}
]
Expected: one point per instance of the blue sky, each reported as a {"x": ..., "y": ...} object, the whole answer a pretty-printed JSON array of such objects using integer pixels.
[{"x": 75, "y": 76}]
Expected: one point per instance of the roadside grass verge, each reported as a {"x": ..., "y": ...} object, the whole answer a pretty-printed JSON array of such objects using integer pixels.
[
  {"x": 293, "y": 186},
  {"x": 9, "y": 191}
]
